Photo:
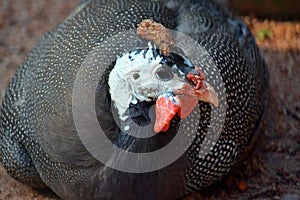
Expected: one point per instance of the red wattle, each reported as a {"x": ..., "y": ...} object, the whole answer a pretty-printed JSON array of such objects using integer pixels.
[
  {"x": 187, "y": 105},
  {"x": 165, "y": 110}
]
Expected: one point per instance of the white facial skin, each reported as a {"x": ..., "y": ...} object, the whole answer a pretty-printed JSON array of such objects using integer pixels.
[{"x": 140, "y": 76}]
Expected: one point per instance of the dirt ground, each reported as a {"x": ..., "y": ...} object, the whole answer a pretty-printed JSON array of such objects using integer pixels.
[{"x": 272, "y": 171}]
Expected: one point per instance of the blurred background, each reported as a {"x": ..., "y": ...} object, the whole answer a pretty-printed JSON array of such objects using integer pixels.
[
  {"x": 279, "y": 9},
  {"x": 272, "y": 170}
]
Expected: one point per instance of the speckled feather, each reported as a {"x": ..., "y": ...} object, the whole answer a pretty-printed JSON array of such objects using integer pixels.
[{"x": 39, "y": 145}]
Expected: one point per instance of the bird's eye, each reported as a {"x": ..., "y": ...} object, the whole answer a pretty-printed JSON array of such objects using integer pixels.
[
  {"x": 136, "y": 76},
  {"x": 164, "y": 73}
]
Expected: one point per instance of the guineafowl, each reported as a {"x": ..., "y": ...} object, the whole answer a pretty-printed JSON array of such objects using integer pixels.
[{"x": 134, "y": 99}]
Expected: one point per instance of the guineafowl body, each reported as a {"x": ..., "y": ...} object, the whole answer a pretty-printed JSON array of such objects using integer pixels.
[{"x": 39, "y": 141}]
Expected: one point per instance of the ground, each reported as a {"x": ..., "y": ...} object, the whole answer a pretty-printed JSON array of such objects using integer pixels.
[{"x": 272, "y": 170}]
